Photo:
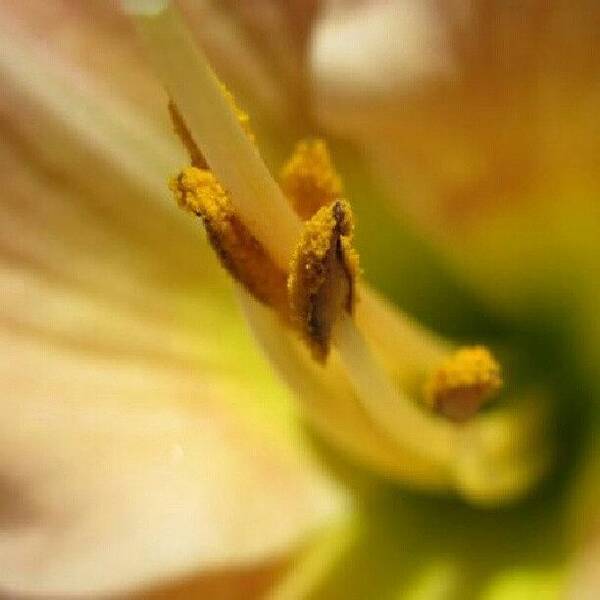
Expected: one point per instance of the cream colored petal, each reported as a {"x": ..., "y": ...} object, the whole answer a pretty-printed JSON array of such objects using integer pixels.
[
  {"x": 257, "y": 49},
  {"x": 141, "y": 437},
  {"x": 120, "y": 474}
]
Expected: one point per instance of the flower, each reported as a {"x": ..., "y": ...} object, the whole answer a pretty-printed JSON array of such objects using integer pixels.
[{"x": 435, "y": 454}]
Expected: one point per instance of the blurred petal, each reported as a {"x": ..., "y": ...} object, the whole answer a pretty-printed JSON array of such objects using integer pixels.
[
  {"x": 408, "y": 547},
  {"x": 142, "y": 437},
  {"x": 585, "y": 578},
  {"x": 583, "y": 520},
  {"x": 394, "y": 47},
  {"x": 260, "y": 49},
  {"x": 230, "y": 584},
  {"x": 124, "y": 473},
  {"x": 493, "y": 152}
]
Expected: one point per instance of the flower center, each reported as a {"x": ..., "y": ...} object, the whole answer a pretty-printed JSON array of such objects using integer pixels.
[{"x": 289, "y": 245}]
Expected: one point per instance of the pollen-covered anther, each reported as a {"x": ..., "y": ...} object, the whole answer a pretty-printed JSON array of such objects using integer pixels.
[
  {"x": 463, "y": 383},
  {"x": 323, "y": 270},
  {"x": 198, "y": 191},
  {"x": 308, "y": 178}
]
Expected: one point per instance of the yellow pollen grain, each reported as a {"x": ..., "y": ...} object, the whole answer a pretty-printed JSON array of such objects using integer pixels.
[
  {"x": 308, "y": 178},
  {"x": 240, "y": 253},
  {"x": 242, "y": 116},
  {"x": 463, "y": 383},
  {"x": 322, "y": 275}
]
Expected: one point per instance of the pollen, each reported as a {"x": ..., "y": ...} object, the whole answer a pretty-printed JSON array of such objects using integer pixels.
[
  {"x": 322, "y": 276},
  {"x": 242, "y": 116},
  {"x": 463, "y": 383},
  {"x": 240, "y": 253},
  {"x": 309, "y": 179}
]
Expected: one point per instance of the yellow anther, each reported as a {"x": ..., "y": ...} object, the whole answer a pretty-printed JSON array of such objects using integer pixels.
[
  {"x": 309, "y": 180},
  {"x": 463, "y": 383},
  {"x": 198, "y": 191},
  {"x": 322, "y": 275}
]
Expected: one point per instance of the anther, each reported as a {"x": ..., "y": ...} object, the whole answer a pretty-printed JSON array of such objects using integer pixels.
[
  {"x": 463, "y": 383},
  {"x": 240, "y": 253},
  {"x": 308, "y": 178},
  {"x": 322, "y": 276}
]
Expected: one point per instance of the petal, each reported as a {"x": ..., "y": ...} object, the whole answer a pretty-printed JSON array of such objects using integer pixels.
[
  {"x": 403, "y": 546},
  {"x": 248, "y": 583},
  {"x": 365, "y": 53},
  {"x": 585, "y": 578},
  {"x": 479, "y": 148},
  {"x": 122, "y": 473},
  {"x": 583, "y": 521},
  {"x": 141, "y": 435}
]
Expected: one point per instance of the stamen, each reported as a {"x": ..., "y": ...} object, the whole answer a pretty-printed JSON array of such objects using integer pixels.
[
  {"x": 261, "y": 206},
  {"x": 308, "y": 179},
  {"x": 255, "y": 231},
  {"x": 240, "y": 253},
  {"x": 388, "y": 406},
  {"x": 196, "y": 91},
  {"x": 463, "y": 383},
  {"x": 322, "y": 275}
]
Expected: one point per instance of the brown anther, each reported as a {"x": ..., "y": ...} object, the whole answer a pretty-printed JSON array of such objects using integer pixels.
[{"x": 322, "y": 276}]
